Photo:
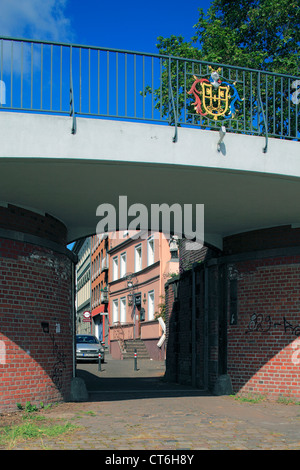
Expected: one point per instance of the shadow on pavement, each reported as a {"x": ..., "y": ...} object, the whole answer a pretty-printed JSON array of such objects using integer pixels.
[{"x": 117, "y": 380}]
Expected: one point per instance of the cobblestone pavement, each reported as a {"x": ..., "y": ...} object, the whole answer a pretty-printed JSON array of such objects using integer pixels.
[{"x": 138, "y": 410}]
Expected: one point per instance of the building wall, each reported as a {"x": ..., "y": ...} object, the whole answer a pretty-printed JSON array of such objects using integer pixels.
[
  {"x": 251, "y": 293},
  {"x": 83, "y": 285},
  {"x": 100, "y": 265},
  {"x": 192, "y": 307},
  {"x": 263, "y": 337},
  {"x": 264, "y": 325},
  {"x": 36, "y": 310},
  {"x": 148, "y": 280}
]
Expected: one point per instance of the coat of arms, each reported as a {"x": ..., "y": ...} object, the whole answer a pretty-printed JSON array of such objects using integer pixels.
[{"x": 215, "y": 98}]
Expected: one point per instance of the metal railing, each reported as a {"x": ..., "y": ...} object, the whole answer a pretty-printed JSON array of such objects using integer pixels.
[{"x": 44, "y": 77}]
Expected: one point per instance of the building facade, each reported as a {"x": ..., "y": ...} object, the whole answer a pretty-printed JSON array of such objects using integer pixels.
[
  {"x": 139, "y": 266},
  {"x": 37, "y": 309},
  {"x": 233, "y": 315},
  {"x": 82, "y": 249},
  {"x": 100, "y": 300}
]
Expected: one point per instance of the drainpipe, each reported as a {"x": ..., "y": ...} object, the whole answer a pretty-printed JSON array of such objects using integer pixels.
[{"x": 134, "y": 319}]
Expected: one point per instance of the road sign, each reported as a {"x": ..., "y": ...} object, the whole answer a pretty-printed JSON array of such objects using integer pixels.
[
  {"x": 86, "y": 316},
  {"x": 163, "y": 336}
]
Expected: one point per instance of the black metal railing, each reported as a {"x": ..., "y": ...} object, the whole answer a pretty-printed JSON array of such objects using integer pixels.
[{"x": 44, "y": 77}]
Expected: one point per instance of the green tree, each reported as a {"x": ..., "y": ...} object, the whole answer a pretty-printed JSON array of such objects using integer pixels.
[
  {"x": 254, "y": 34},
  {"x": 259, "y": 34}
]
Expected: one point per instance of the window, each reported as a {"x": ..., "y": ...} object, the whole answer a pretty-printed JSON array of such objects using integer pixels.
[
  {"x": 115, "y": 268},
  {"x": 101, "y": 261},
  {"x": 104, "y": 263},
  {"x": 150, "y": 251},
  {"x": 138, "y": 258},
  {"x": 115, "y": 312},
  {"x": 150, "y": 305},
  {"x": 122, "y": 264},
  {"x": 123, "y": 310}
]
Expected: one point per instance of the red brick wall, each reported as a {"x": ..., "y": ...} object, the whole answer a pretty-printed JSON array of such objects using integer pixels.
[
  {"x": 188, "y": 257},
  {"x": 192, "y": 343},
  {"x": 265, "y": 239},
  {"x": 255, "y": 335},
  {"x": 25, "y": 221},
  {"x": 172, "y": 331},
  {"x": 264, "y": 345},
  {"x": 35, "y": 288}
]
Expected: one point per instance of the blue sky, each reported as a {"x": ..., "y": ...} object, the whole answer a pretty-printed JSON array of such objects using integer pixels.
[{"x": 131, "y": 25}]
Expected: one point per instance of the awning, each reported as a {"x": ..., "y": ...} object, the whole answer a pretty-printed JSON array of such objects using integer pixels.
[{"x": 100, "y": 310}]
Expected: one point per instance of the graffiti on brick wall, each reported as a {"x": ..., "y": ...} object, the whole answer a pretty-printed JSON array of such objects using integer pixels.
[
  {"x": 264, "y": 324},
  {"x": 59, "y": 365}
]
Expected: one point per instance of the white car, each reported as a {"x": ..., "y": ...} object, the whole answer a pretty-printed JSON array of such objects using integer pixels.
[{"x": 88, "y": 348}]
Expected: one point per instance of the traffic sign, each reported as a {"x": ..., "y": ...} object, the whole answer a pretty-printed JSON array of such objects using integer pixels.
[{"x": 86, "y": 316}]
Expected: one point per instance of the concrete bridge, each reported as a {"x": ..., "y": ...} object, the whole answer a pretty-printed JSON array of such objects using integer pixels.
[
  {"x": 59, "y": 162},
  {"x": 48, "y": 170}
]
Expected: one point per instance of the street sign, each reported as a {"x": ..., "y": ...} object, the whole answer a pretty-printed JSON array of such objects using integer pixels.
[
  {"x": 163, "y": 336},
  {"x": 86, "y": 316}
]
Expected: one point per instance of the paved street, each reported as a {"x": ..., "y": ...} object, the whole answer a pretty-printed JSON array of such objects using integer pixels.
[{"x": 138, "y": 410}]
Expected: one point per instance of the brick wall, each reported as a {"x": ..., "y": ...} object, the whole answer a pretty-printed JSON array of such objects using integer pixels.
[
  {"x": 252, "y": 303},
  {"x": 192, "y": 329},
  {"x": 23, "y": 220},
  {"x": 36, "y": 352},
  {"x": 188, "y": 257},
  {"x": 172, "y": 339},
  {"x": 263, "y": 344},
  {"x": 265, "y": 239}
]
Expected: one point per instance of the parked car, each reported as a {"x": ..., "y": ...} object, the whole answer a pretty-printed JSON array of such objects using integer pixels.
[{"x": 88, "y": 348}]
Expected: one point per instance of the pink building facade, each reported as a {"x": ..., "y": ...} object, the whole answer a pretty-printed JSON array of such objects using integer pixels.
[{"x": 139, "y": 268}]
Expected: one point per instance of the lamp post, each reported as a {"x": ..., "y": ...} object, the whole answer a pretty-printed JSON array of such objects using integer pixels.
[
  {"x": 131, "y": 282},
  {"x": 130, "y": 298}
]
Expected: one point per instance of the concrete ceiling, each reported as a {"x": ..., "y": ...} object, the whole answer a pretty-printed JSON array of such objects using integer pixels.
[{"x": 49, "y": 170}]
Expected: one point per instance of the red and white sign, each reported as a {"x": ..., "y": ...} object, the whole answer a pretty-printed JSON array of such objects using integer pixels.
[{"x": 86, "y": 316}]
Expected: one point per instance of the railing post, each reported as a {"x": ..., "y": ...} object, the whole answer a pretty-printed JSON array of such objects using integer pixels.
[
  {"x": 72, "y": 106},
  {"x": 171, "y": 99},
  {"x": 265, "y": 149}
]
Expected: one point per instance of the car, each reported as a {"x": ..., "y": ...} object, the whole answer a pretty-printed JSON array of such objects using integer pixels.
[{"x": 88, "y": 348}]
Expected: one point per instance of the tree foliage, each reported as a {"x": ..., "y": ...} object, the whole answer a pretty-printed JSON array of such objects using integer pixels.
[
  {"x": 259, "y": 34},
  {"x": 263, "y": 35}
]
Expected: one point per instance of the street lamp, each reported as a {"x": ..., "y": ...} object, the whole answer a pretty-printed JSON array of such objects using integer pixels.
[{"x": 131, "y": 282}]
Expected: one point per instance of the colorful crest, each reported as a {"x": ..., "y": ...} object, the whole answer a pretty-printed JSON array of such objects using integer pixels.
[{"x": 214, "y": 98}]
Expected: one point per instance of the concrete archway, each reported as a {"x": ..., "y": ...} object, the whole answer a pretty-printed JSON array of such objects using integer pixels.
[{"x": 67, "y": 176}]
